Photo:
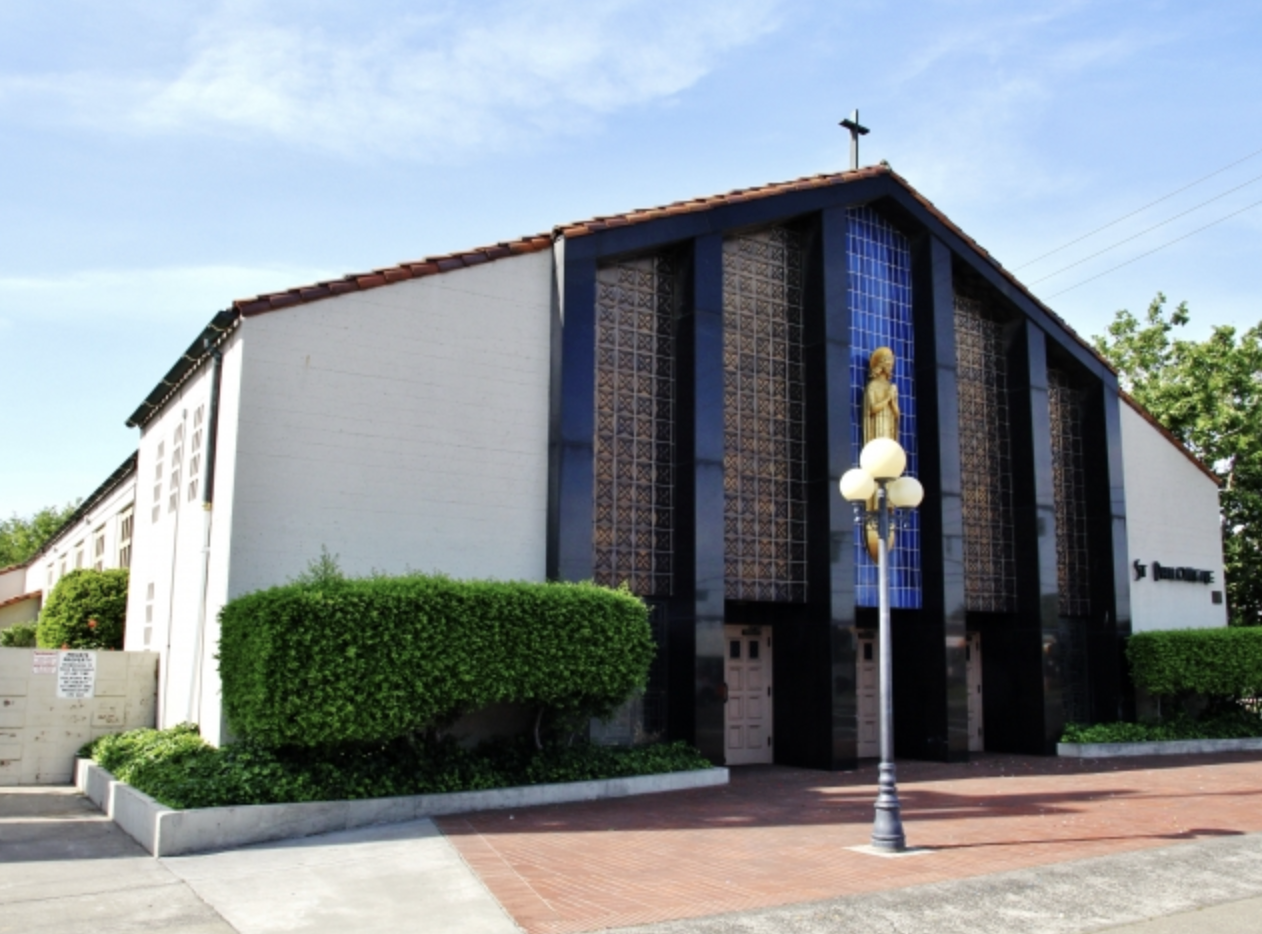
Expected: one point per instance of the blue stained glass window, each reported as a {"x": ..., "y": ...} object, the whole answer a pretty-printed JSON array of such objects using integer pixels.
[{"x": 880, "y": 316}]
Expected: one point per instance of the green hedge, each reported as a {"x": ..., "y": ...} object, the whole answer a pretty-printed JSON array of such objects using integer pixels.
[
  {"x": 86, "y": 610},
  {"x": 326, "y": 660},
  {"x": 1215, "y": 662},
  {"x": 178, "y": 769}
]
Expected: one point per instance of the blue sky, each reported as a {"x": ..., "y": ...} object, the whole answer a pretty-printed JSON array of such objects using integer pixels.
[{"x": 162, "y": 159}]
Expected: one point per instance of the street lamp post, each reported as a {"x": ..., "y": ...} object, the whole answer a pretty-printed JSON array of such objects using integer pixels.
[{"x": 879, "y": 478}]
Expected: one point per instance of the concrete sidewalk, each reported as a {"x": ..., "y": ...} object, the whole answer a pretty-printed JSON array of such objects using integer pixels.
[
  {"x": 1212, "y": 885},
  {"x": 66, "y": 869}
]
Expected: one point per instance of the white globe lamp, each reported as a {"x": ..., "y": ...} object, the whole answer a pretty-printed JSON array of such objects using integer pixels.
[
  {"x": 883, "y": 458},
  {"x": 857, "y": 485},
  {"x": 905, "y": 493}
]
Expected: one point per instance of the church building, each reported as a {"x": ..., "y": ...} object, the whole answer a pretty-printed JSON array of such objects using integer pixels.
[{"x": 667, "y": 398}]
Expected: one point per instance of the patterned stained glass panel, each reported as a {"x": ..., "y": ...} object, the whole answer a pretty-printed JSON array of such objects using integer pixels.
[
  {"x": 879, "y": 259},
  {"x": 635, "y": 438},
  {"x": 990, "y": 576},
  {"x": 764, "y": 462},
  {"x": 1069, "y": 478}
]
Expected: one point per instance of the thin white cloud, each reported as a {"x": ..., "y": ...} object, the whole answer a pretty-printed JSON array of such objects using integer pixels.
[
  {"x": 142, "y": 294},
  {"x": 982, "y": 92},
  {"x": 435, "y": 86}
]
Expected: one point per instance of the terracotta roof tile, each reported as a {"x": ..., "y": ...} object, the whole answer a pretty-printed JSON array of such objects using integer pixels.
[
  {"x": 414, "y": 269},
  {"x": 21, "y": 597}
]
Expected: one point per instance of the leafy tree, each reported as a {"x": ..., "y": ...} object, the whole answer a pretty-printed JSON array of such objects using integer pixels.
[
  {"x": 21, "y": 538},
  {"x": 1209, "y": 395},
  {"x": 86, "y": 610}
]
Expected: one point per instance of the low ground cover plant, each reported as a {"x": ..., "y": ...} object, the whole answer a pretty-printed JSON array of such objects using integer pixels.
[
  {"x": 177, "y": 768},
  {"x": 1240, "y": 724}
]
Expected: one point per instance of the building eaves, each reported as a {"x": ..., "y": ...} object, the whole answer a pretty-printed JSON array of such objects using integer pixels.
[
  {"x": 214, "y": 334},
  {"x": 417, "y": 269},
  {"x": 20, "y": 598},
  {"x": 121, "y": 473},
  {"x": 226, "y": 321}
]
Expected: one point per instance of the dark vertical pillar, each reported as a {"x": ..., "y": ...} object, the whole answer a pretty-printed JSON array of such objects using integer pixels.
[
  {"x": 1023, "y": 709},
  {"x": 1110, "y": 625},
  {"x": 697, "y": 623},
  {"x": 815, "y": 659},
  {"x": 571, "y": 510},
  {"x": 930, "y": 660}
]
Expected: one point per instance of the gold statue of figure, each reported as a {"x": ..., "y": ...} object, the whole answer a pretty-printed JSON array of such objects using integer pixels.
[
  {"x": 881, "y": 418},
  {"x": 880, "y": 399}
]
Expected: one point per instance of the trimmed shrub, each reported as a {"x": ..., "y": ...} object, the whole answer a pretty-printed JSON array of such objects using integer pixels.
[
  {"x": 86, "y": 610},
  {"x": 18, "y": 636},
  {"x": 327, "y": 660},
  {"x": 1225, "y": 663},
  {"x": 178, "y": 769}
]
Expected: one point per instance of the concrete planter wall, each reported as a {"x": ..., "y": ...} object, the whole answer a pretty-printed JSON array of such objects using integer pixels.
[
  {"x": 1178, "y": 747},
  {"x": 164, "y": 831}
]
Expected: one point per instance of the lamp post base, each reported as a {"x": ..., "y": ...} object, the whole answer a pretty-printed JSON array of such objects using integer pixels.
[{"x": 887, "y": 828}]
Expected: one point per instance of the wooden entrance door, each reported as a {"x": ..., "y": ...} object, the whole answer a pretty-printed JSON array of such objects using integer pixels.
[
  {"x": 748, "y": 710},
  {"x": 973, "y": 668},
  {"x": 868, "y": 678}
]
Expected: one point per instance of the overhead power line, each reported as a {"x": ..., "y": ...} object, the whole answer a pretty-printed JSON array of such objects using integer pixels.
[
  {"x": 1146, "y": 230},
  {"x": 1119, "y": 220},
  {"x": 1156, "y": 249}
]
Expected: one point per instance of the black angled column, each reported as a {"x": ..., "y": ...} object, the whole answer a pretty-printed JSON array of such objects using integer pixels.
[
  {"x": 1023, "y": 680},
  {"x": 697, "y": 621},
  {"x": 932, "y": 673}
]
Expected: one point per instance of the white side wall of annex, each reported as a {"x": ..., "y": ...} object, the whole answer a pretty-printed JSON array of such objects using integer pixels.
[
  {"x": 13, "y": 582},
  {"x": 105, "y": 517},
  {"x": 401, "y": 428},
  {"x": 1171, "y": 518},
  {"x": 168, "y": 555}
]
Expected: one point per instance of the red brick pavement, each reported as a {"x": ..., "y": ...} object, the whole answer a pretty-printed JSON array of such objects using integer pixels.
[{"x": 777, "y": 836}]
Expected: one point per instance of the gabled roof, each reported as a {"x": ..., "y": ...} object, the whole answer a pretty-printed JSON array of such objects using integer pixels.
[{"x": 435, "y": 265}]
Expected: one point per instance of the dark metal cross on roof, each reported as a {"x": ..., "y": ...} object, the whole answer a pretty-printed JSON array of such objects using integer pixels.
[{"x": 856, "y": 130}]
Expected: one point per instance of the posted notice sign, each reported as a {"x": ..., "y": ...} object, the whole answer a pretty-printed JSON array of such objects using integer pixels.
[
  {"x": 76, "y": 674},
  {"x": 44, "y": 663}
]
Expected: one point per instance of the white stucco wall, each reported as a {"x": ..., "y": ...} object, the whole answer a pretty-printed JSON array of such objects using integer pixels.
[
  {"x": 401, "y": 428},
  {"x": 168, "y": 555},
  {"x": 1171, "y": 518},
  {"x": 12, "y": 582},
  {"x": 105, "y": 516}
]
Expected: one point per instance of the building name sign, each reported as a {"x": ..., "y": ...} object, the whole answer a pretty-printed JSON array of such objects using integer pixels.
[{"x": 1162, "y": 572}]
